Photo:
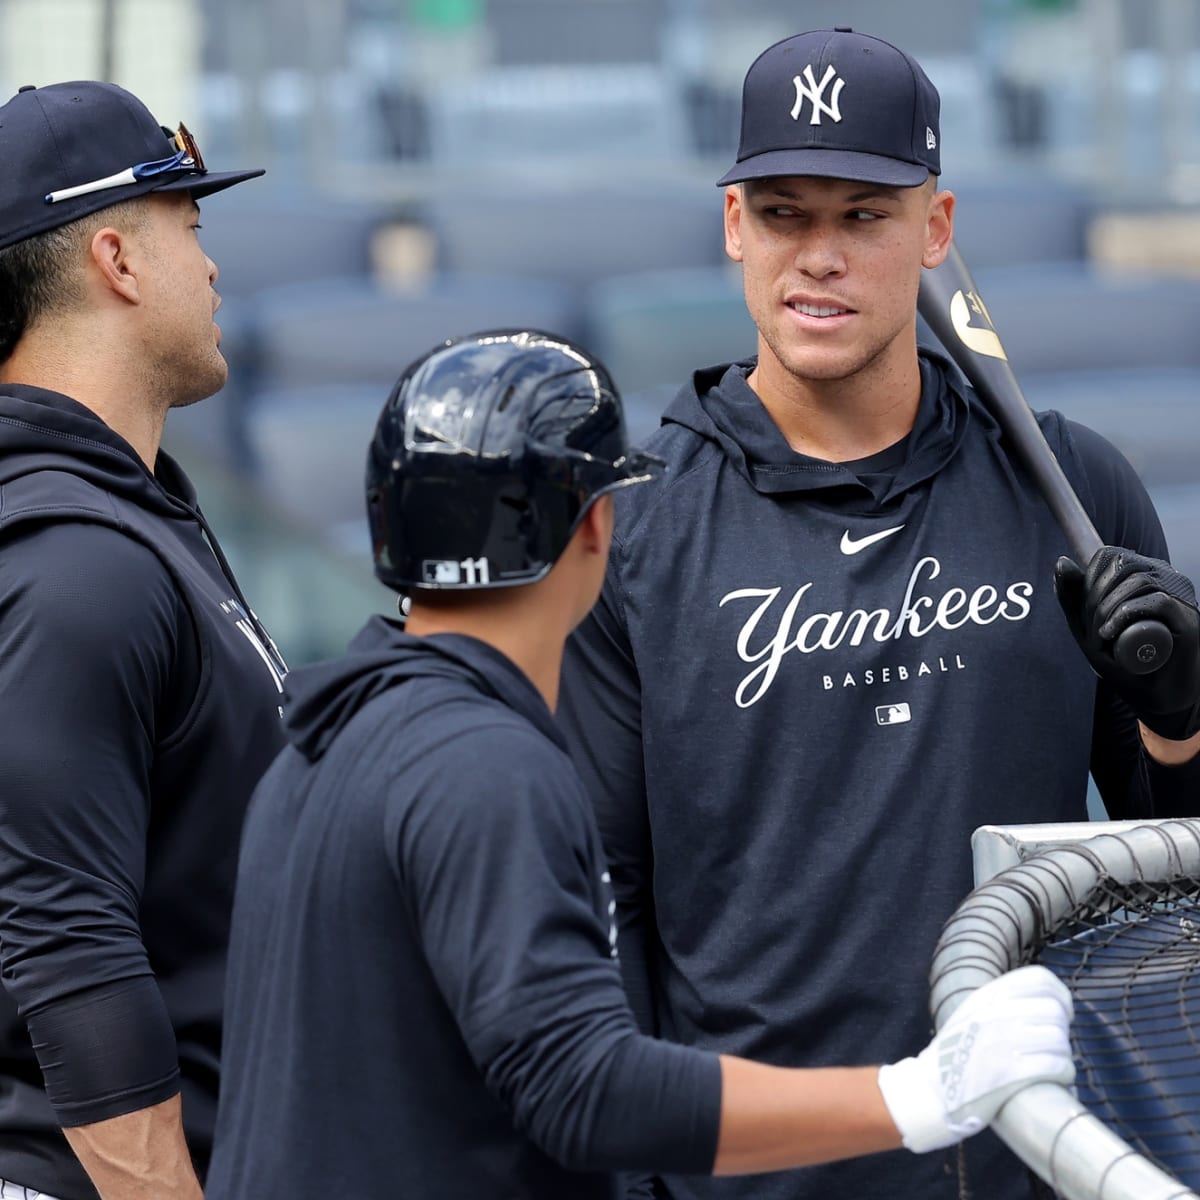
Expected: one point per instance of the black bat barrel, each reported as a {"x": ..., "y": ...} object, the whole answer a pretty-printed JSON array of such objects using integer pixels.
[{"x": 954, "y": 310}]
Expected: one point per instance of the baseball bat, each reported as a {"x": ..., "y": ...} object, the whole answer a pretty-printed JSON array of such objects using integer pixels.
[{"x": 953, "y": 308}]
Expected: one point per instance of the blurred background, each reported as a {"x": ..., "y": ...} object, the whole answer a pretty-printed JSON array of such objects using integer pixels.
[{"x": 439, "y": 166}]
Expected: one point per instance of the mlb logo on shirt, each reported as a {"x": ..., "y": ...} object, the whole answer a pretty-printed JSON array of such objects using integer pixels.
[
  {"x": 441, "y": 571},
  {"x": 893, "y": 714}
]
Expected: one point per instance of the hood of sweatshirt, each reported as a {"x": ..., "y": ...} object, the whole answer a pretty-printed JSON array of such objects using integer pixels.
[
  {"x": 42, "y": 430},
  {"x": 321, "y": 699},
  {"x": 721, "y": 407}
]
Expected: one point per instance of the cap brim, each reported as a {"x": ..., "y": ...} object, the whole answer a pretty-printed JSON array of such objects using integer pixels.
[
  {"x": 205, "y": 185},
  {"x": 56, "y": 215},
  {"x": 827, "y": 164}
]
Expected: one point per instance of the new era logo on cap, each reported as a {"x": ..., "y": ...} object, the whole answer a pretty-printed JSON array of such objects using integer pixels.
[{"x": 837, "y": 104}]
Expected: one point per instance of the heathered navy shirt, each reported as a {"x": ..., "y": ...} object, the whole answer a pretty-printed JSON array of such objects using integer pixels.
[
  {"x": 424, "y": 998},
  {"x": 139, "y": 704},
  {"x": 804, "y": 687}
]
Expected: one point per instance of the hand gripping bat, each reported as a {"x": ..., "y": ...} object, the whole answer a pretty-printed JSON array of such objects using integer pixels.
[{"x": 953, "y": 308}]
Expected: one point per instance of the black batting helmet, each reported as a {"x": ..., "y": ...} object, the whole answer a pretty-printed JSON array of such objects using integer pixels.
[{"x": 488, "y": 451}]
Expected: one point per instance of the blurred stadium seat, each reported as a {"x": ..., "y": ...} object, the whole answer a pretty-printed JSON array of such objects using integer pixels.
[
  {"x": 1152, "y": 414},
  {"x": 356, "y": 331},
  {"x": 548, "y": 31},
  {"x": 653, "y": 329},
  {"x": 309, "y": 445},
  {"x": 998, "y": 223},
  {"x": 1179, "y": 510},
  {"x": 257, "y": 243},
  {"x": 523, "y": 114},
  {"x": 579, "y": 233},
  {"x": 1073, "y": 317}
]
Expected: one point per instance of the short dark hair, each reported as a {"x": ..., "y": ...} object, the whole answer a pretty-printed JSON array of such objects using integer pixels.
[{"x": 40, "y": 274}]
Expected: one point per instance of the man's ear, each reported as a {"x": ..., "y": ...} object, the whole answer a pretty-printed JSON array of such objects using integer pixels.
[
  {"x": 734, "y": 207},
  {"x": 111, "y": 256},
  {"x": 939, "y": 229},
  {"x": 596, "y": 526}
]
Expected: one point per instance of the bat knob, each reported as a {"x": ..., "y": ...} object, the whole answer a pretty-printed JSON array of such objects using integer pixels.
[{"x": 1144, "y": 647}]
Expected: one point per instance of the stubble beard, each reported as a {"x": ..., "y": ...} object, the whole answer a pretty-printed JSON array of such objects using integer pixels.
[
  {"x": 820, "y": 366},
  {"x": 189, "y": 379}
]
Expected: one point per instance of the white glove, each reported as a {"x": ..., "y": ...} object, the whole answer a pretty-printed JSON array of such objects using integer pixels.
[{"x": 1012, "y": 1032}]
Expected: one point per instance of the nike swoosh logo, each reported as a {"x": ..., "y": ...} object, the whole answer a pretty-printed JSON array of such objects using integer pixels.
[{"x": 854, "y": 545}]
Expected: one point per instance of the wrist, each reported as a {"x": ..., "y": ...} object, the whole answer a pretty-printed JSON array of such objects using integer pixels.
[
  {"x": 1169, "y": 752},
  {"x": 915, "y": 1107}
]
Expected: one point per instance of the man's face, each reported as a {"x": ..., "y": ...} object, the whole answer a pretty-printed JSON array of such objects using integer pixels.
[
  {"x": 831, "y": 268},
  {"x": 184, "y": 356}
]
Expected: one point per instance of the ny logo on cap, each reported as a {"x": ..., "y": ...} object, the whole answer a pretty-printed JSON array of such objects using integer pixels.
[{"x": 808, "y": 89}]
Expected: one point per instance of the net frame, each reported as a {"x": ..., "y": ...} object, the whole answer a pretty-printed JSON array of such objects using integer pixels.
[{"x": 997, "y": 928}]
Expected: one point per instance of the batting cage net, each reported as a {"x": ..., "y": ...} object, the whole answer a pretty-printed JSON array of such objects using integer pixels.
[{"x": 1113, "y": 909}]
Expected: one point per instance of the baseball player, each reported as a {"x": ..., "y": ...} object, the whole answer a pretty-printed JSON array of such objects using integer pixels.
[
  {"x": 139, "y": 695},
  {"x": 829, "y": 645},
  {"x": 424, "y": 997}
]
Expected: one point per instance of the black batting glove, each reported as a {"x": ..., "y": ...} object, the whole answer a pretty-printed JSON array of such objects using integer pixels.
[{"x": 1118, "y": 589}]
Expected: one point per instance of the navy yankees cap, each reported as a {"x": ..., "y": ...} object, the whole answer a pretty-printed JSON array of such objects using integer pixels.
[
  {"x": 69, "y": 149},
  {"x": 838, "y": 104}
]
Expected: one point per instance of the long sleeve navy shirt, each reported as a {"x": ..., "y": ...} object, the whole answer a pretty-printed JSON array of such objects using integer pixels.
[
  {"x": 424, "y": 996},
  {"x": 139, "y": 704},
  {"x": 804, "y": 687}
]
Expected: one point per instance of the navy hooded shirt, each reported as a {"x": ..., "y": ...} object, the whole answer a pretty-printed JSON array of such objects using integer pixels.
[
  {"x": 424, "y": 998},
  {"x": 139, "y": 705},
  {"x": 805, "y": 685}
]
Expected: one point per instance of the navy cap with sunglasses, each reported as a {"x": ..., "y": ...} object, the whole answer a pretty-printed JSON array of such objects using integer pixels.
[
  {"x": 70, "y": 149},
  {"x": 840, "y": 105}
]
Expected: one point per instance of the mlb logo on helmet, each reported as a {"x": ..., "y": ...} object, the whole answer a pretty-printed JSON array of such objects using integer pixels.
[{"x": 441, "y": 571}]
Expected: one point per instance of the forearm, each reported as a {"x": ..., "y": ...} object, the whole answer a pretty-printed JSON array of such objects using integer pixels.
[
  {"x": 1009, "y": 1033},
  {"x": 774, "y": 1118},
  {"x": 1169, "y": 753},
  {"x": 141, "y": 1155},
  {"x": 667, "y": 1109}
]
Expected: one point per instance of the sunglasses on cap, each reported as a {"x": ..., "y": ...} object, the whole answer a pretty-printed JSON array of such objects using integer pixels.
[{"x": 186, "y": 159}]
